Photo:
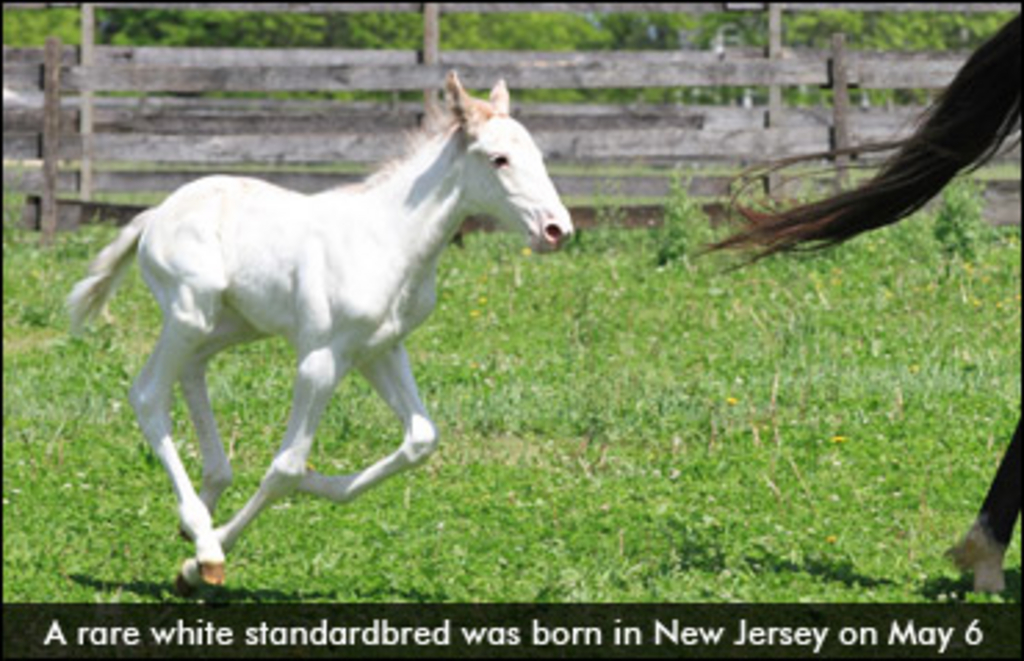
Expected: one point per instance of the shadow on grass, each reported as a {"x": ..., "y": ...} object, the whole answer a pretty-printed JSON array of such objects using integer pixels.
[
  {"x": 835, "y": 571},
  {"x": 164, "y": 591},
  {"x": 700, "y": 551}
]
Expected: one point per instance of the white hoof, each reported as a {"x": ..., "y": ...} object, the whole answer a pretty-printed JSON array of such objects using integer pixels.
[
  {"x": 189, "y": 578},
  {"x": 979, "y": 553}
]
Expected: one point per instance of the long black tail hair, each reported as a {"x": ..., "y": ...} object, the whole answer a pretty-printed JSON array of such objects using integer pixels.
[{"x": 961, "y": 130}]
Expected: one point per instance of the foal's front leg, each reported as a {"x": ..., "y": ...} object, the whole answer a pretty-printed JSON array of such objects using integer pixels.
[{"x": 392, "y": 378}]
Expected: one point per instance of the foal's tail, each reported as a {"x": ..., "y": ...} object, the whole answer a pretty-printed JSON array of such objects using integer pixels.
[
  {"x": 964, "y": 128},
  {"x": 91, "y": 293}
]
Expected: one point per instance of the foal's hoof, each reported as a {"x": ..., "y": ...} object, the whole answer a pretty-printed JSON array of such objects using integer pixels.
[
  {"x": 194, "y": 574},
  {"x": 212, "y": 572},
  {"x": 189, "y": 578}
]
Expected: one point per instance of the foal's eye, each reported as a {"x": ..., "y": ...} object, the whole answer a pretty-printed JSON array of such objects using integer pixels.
[{"x": 499, "y": 161}]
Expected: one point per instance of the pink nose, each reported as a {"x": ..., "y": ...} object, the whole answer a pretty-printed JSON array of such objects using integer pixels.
[{"x": 553, "y": 233}]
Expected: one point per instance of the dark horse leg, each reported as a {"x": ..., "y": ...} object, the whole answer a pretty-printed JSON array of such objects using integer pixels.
[{"x": 984, "y": 546}]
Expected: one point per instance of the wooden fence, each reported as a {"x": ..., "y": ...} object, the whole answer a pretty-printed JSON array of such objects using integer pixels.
[{"x": 88, "y": 141}]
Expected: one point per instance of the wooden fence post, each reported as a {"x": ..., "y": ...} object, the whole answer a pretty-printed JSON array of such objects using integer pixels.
[
  {"x": 431, "y": 54},
  {"x": 774, "y": 117},
  {"x": 840, "y": 107},
  {"x": 51, "y": 137},
  {"x": 85, "y": 122}
]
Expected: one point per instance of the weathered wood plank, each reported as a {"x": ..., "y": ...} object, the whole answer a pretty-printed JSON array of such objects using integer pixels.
[
  {"x": 869, "y": 71},
  {"x": 156, "y": 56},
  {"x": 30, "y": 180},
  {"x": 600, "y": 146},
  {"x": 272, "y": 7},
  {"x": 51, "y": 138},
  {"x": 269, "y": 149},
  {"x": 679, "y": 144},
  {"x": 712, "y": 7},
  {"x": 570, "y": 72},
  {"x": 659, "y": 145},
  {"x": 942, "y": 7},
  {"x": 447, "y": 7},
  {"x": 840, "y": 105},
  {"x": 169, "y": 123},
  {"x": 1003, "y": 203},
  {"x": 431, "y": 54},
  {"x": 562, "y": 139},
  {"x": 18, "y": 55},
  {"x": 597, "y": 74},
  {"x": 22, "y": 146},
  {"x": 195, "y": 69},
  {"x": 561, "y": 142},
  {"x": 163, "y": 114},
  {"x": 312, "y": 182},
  {"x": 86, "y": 100},
  {"x": 30, "y": 120},
  {"x": 23, "y": 77},
  {"x": 72, "y": 214},
  {"x": 561, "y": 7},
  {"x": 583, "y": 7},
  {"x": 39, "y": 5},
  {"x": 774, "y": 117}
]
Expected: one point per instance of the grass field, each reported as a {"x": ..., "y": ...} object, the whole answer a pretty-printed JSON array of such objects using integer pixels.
[{"x": 814, "y": 429}]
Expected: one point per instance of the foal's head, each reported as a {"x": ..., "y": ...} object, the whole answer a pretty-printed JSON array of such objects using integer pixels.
[{"x": 505, "y": 175}]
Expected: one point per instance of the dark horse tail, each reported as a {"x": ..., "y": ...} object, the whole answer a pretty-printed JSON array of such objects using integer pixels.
[{"x": 965, "y": 127}]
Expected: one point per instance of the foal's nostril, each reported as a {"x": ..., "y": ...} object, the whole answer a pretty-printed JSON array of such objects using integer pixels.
[{"x": 553, "y": 233}]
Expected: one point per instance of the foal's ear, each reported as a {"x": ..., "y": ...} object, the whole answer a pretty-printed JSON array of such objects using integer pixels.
[
  {"x": 469, "y": 112},
  {"x": 499, "y": 98}
]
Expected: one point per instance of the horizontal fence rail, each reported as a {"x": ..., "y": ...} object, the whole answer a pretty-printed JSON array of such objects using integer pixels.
[{"x": 194, "y": 70}]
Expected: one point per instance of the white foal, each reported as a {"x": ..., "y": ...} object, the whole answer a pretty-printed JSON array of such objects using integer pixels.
[{"x": 344, "y": 275}]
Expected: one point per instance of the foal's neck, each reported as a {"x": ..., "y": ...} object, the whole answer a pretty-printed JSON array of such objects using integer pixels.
[{"x": 424, "y": 197}]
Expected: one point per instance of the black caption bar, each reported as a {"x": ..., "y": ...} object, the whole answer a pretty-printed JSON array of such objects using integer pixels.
[{"x": 513, "y": 630}]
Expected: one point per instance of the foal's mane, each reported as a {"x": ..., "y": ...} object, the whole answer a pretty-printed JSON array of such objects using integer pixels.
[{"x": 436, "y": 124}]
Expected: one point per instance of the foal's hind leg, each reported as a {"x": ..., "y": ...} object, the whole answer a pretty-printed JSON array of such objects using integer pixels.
[
  {"x": 217, "y": 473},
  {"x": 231, "y": 330},
  {"x": 151, "y": 397}
]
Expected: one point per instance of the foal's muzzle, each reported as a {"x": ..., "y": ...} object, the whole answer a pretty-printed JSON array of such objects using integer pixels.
[{"x": 555, "y": 230}]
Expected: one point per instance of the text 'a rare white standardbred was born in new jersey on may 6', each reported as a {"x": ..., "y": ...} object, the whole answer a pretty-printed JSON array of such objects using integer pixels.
[{"x": 343, "y": 275}]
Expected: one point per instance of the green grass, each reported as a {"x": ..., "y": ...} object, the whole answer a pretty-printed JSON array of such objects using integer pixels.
[{"x": 807, "y": 429}]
